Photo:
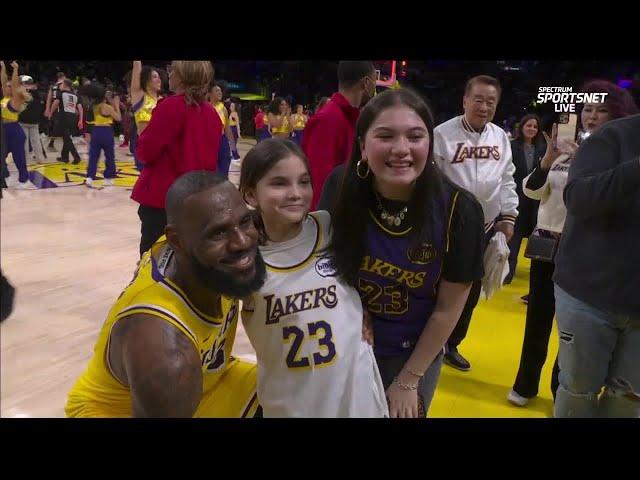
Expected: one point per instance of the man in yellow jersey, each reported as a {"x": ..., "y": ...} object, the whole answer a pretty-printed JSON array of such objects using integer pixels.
[{"x": 165, "y": 348}]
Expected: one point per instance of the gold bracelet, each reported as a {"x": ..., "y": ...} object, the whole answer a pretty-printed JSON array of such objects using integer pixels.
[
  {"x": 419, "y": 375},
  {"x": 404, "y": 386}
]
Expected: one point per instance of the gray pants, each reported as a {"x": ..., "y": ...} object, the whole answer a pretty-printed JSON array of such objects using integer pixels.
[
  {"x": 390, "y": 367},
  {"x": 32, "y": 132},
  {"x": 597, "y": 349}
]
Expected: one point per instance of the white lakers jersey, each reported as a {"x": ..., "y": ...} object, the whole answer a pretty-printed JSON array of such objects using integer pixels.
[{"x": 306, "y": 329}]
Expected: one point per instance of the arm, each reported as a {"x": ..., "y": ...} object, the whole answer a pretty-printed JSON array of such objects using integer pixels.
[
  {"x": 115, "y": 109},
  {"x": 159, "y": 363},
  {"x": 163, "y": 129},
  {"x": 535, "y": 184},
  {"x": 450, "y": 303},
  {"x": 508, "y": 195},
  {"x": 81, "y": 113},
  {"x": 4, "y": 79},
  {"x": 47, "y": 109},
  {"x": 598, "y": 180},
  {"x": 136, "y": 88},
  {"x": 16, "y": 95},
  {"x": 463, "y": 264}
]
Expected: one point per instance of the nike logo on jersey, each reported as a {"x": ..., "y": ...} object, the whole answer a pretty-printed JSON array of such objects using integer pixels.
[
  {"x": 475, "y": 153},
  {"x": 299, "y": 302}
]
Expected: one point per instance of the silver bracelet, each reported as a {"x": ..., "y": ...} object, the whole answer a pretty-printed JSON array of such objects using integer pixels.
[{"x": 404, "y": 386}]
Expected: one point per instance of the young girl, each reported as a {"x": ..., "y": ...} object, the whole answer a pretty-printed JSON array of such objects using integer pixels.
[
  {"x": 304, "y": 324},
  {"x": 409, "y": 240},
  {"x": 104, "y": 110}
]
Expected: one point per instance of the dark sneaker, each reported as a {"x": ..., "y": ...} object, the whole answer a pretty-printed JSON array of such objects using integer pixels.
[
  {"x": 60, "y": 159},
  {"x": 455, "y": 360}
]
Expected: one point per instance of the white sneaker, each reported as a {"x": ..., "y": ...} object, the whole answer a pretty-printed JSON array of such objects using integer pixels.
[
  {"x": 108, "y": 182},
  {"x": 88, "y": 182},
  {"x": 517, "y": 400},
  {"x": 26, "y": 186}
]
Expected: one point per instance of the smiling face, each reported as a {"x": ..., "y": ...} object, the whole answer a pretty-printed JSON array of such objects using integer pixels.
[
  {"x": 283, "y": 195},
  {"x": 396, "y": 147},
  {"x": 480, "y": 104},
  {"x": 218, "y": 237},
  {"x": 530, "y": 129}
]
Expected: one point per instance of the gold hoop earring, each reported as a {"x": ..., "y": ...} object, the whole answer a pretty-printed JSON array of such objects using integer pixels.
[{"x": 360, "y": 162}]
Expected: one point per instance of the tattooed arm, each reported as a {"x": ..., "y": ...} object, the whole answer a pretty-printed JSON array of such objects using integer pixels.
[{"x": 160, "y": 365}]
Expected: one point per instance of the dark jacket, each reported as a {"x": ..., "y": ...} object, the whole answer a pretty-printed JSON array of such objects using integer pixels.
[
  {"x": 598, "y": 261},
  {"x": 34, "y": 110},
  {"x": 527, "y": 207}
]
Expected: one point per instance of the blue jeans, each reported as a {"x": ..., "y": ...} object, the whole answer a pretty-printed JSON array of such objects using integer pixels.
[
  {"x": 598, "y": 349},
  {"x": 390, "y": 367}
]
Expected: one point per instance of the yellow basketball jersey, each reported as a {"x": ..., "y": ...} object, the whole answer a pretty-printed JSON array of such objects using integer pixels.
[
  {"x": 100, "y": 120},
  {"x": 222, "y": 113},
  {"x": 144, "y": 108},
  {"x": 9, "y": 115},
  {"x": 228, "y": 384},
  {"x": 232, "y": 122}
]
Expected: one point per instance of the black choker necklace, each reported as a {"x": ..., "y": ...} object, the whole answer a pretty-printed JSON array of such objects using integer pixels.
[{"x": 393, "y": 219}]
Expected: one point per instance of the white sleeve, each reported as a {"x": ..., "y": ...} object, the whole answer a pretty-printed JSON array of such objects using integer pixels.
[
  {"x": 439, "y": 148},
  {"x": 508, "y": 194},
  {"x": 539, "y": 193}
]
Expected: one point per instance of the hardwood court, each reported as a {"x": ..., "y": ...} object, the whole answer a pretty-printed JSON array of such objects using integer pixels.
[{"x": 69, "y": 251}]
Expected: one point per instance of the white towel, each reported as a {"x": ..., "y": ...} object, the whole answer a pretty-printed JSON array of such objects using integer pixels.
[{"x": 496, "y": 265}]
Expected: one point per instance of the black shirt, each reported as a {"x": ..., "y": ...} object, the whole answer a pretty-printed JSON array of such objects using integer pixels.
[
  {"x": 598, "y": 261},
  {"x": 68, "y": 101},
  {"x": 32, "y": 114},
  {"x": 463, "y": 262}
]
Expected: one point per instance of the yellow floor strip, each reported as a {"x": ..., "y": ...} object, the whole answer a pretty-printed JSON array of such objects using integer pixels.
[{"x": 493, "y": 347}]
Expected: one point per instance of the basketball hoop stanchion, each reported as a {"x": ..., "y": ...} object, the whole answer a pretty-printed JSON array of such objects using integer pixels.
[{"x": 391, "y": 82}]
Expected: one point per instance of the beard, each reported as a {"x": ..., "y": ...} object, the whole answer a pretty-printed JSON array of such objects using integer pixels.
[{"x": 227, "y": 283}]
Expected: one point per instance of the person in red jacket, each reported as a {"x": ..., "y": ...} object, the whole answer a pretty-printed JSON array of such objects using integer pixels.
[
  {"x": 329, "y": 134},
  {"x": 183, "y": 135}
]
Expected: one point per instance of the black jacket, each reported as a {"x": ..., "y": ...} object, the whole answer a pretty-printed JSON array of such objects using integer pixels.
[
  {"x": 34, "y": 110},
  {"x": 598, "y": 261},
  {"x": 527, "y": 207}
]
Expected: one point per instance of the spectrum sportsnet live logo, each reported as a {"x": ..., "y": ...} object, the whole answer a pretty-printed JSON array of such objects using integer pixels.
[{"x": 565, "y": 100}]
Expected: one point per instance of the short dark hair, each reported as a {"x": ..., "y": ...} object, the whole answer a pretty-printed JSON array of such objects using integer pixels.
[
  {"x": 68, "y": 83},
  {"x": 186, "y": 185},
  {"x": 60, "y": 75},
  {"x": 485, "y": 79},
  {"x": 350, "y": 72}
]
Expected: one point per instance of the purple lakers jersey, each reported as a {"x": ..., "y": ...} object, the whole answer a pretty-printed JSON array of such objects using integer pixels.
[{"x": 398, "y": 280}]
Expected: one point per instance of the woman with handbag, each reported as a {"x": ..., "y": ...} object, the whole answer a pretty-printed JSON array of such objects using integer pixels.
[{"x": 546, "y": 183}]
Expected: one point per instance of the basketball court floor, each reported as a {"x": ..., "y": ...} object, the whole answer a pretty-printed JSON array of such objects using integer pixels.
[{"x": 70, "y": 250}]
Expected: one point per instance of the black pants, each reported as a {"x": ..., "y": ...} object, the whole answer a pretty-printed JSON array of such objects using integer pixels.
[
  {"x": 540, "y": 312},
  {"x": 153, "y": 222},
  {"x": 66, "y": 128},
  {"x": 514, "y": 251},
  {"x": 462, "y": 327}
]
